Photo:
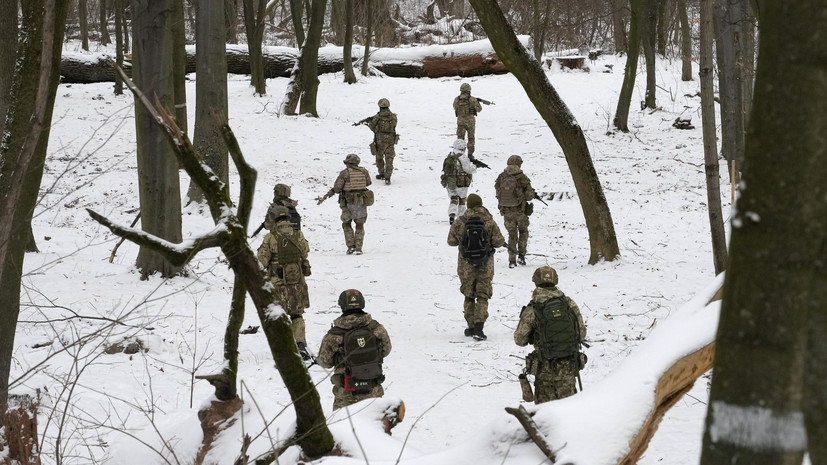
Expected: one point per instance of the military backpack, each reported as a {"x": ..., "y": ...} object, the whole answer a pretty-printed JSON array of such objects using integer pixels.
[
  {"x": 295, "y": 218},
  {"x": 557, "y": 329},
  {"x": 386, "y": 123},
  {"x": 464, "y": 106},
  {"x": 509, "y": 191},
  {"x": 475, "y": 246},
  {"x": 361, "y": 356},
  {"x": 289, "y": 257}
]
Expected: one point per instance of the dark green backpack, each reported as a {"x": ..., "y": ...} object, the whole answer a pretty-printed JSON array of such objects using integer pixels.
[
  {"x": 361, "y": 356},
  {"x": 557, "y": 329}
]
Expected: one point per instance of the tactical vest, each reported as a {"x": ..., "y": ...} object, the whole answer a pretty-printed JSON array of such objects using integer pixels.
[
  {"x": 557, "y": 329},
  {"x": 509, "y": 191},
  {"x": 361, "y": 356},
  {"x": 288, "y": 248},
  {"x": 386, "y": 123},
  {"x": 464, "y": 106},
  {"x": 356, "y": 180}
]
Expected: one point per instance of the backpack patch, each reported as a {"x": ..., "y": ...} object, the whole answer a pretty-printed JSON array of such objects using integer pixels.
[
  {"x": 509, "y": 191},
  {"x": 557, "y": 330},
  {"x": 362, "y": 358},
  {"x": 475, "y": 245}
]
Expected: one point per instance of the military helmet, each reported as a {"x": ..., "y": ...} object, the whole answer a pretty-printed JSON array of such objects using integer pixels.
[
  {"x": 460, "y": 145},
  {"x": 384, "y": 103},
  {"x": 545, "y": 275},
  {"x": 352, "y": 159},
  {"x": 465, "y": 87},
  {"x": 281, "y": 190},
  {"x": 279, "y": 213},
  {"x": 515, "y": 160},
  {"x": 351, "y": 299}
]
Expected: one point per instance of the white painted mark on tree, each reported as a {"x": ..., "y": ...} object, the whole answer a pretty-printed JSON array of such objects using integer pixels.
[{"x": 758, "y": 428}]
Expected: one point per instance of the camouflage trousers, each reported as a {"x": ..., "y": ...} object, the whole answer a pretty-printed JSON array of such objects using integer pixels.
[
  {"x": 343, "y": 397},
  {"x": 553, "y": 379},
  {"x": 516, "y": 223},
  {"x": 467, "y": 125},
  {"x": 475, "y": 283},
  {"x": 385, "y": 153},
  {"x": 358, "y": 214}
]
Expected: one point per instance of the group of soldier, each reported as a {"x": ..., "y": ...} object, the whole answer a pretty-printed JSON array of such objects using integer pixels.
[{"x": 551, "y": 321}]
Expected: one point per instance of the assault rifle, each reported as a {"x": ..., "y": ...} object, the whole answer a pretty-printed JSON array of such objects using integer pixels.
[
  {"x": 321, "y": 199},
  {"x": 478, "y": 163},
  {"x": 483, "y": 101},
  {"x": 258, "y": 230},
  {"x": 364, "y": 121},
  {"x": 540, "y": 199}
]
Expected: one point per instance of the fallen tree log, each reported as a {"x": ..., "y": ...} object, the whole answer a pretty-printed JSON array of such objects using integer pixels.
[{"x": 434, "y": 61}]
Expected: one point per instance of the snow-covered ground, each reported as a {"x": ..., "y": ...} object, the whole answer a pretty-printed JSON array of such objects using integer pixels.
[{"x": 652, "y": 177}]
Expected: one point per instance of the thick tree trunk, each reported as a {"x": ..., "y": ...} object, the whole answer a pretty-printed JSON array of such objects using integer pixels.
[
  {"x": 767, "y": 398},
  {"x": 310, "y": 57},
  {"x": 23, "y": 154},
  {"x": 713, "y": 178},
  {"x": 104, "y": 23},
  {"x": 728, "y": 14},
  {"x": 231, "y": 20},
  {"x": 158, "y": 184},
  {"x": 686, "y": 42},
  {"x": 568, "y": 133},
  {"x": 649, "y": 33},
  {"x": 368, "y": 37},
  {"x": 254, "y": 26},
  {"x": 296, "y": 9},
  {"x": 347, "y": 55},
  {"x": 662, "y": 26},
  {"x": 8, "y": 54},
  {"x": 119, "y": 26},
  {"x": 210, "y": 92},
  {"x": 624, "y": 101},
  {"x": 179, "y": 64},
  {"x": 83, "y": 18},
  {"x": 618, "y": 26}
]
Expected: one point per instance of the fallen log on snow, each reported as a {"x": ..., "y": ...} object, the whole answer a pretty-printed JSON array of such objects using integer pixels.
[{"x": 468, "y": 59}]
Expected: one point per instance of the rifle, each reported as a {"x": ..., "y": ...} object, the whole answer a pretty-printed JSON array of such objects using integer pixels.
[
  {"x": 321, "y": 199},
  {"x": 483, "y": 101},
  {"x": 540, "y": 199},
  {"x": 478, "y": 163},
  {"x": 364, "y": 121},
  {"x": 258, "y": 230}
]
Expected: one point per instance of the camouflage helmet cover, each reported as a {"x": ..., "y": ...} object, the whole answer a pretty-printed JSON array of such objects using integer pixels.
[
  {"x": 384, "y": 103},
  {"x": 279, "y": 213},
  {"x": 352, "y": 159},
  {"x": 351, "y": 299},
  {"x": 545, "y": 275},
  {"x": 460, "y": 145},
  {"x": 515, "y": 160},
  {"x": 281, "y": 190},
  {"x": 465, "y": 87}
]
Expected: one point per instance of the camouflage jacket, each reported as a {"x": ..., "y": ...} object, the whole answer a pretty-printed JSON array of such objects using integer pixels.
[
  {"x": 457, "y": 231},
  {"x": 524, "y": 334},
  {"x": 383, "y": 122},
  {"x": 522, "y": 180},
  {"x": 282, "y": 202},
  {"x": 330, "y": 353},
  {"x": 268, "y": 253}
]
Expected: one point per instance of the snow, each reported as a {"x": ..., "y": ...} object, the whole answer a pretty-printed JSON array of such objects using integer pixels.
[{"x": 642, "y": 310}]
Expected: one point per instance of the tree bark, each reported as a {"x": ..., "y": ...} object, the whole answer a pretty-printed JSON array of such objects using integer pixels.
[
  {"x": 649, "y": 33},
  {"x": 624, "y": 101},
  {"x": 310, "y": 59},
  {"x": 179, "y": 64},
  {"x": 158, "y": 183},
  {"x": 347, "y": 56},
  {"x": 119, "y": 26},
  {"x": 296, "y": 9},
  {"x": 368, "y": 37},
  {"x": 8, "y": 54},
  {"x": 254, "y": 27},
  {"x": 23, "y": 154},
  {"x": 686, "y": 42},
  {"x": 713, "y": 178},
  {"x": 231, "y": 20},
  {"x": 104, "y": 23},
  {"x": 767, "y": 399},
  {"x": 83, "y": 19},
  {"x": 728, "y": 14},
  {"x": 210, "y": 92},
  {"x": 556, "y": 114},
  {"x": 618, "y": 26}
]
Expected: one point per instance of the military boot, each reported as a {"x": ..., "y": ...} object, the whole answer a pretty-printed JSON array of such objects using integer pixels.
[
  {"x": 478, "y": 334},
  {"x": 451, "y": 218},
  {"x": 380, "y": 176},
  {"x": 512, "y": 263},
  {"x": 521, "y": 260}
]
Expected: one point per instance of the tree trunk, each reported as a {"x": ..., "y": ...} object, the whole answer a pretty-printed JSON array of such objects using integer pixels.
[
  {"x": 210, "y": 92},
  {"x": 662, "y": 27},
  {"x": 23, "y": 154},
  {"x": 624, "y": 101},
  {"x": 713, "y": 178},
  {"x": 568, "y": 133},
  {"x": 8, "y": 54},
  {"x": 231, "y": 20},
  {"x": 126, "y": 26},
  {"x": 119, "y": 26},
  {"x": 747, "y": 63},
  {"x": 179, "y": 64},
  {"x": 767, "y": 398},
  {"x": 618, "y": 26},
  {"x": 728, "y": 14},
  {"x": 368, "y": 36},
  {"x": 158, "y": 184},
  {"x": 296, "y": 9},
  {"x": 254, "y": 27},
  {"x": 649, "y": 34},
  {"x": 104, "y": 23},
  {"x": 686, "y": 43},
  {"x": 83, "y": 13},
  {"x": 310, "y": 59},
  {"x": 347, "y": 55}
]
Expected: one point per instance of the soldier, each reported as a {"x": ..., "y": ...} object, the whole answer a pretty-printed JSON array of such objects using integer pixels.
[
  {"x": 466, "y": 109},
  {"x": 553, "y": 324},
  {"x": 354, "y": 198},
  {"x": 457, "y": 174},
  {"x": 281, "y": 197},
  {"x": 514, "y": 190},
  {"x": 383, "y": 125},
  {"x": 477, "y": 235},
  {"x": 356, "y": 345},
  {"x": 284, "y": 254}
]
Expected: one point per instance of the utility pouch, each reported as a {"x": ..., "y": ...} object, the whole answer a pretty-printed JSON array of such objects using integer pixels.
[
  {"x": 525, "y": 386},
  {"x": 532, "y": 364},
  {"x": 529, "y": 208},
  {"x": 368, "y": 198},
  {"x": 358, "y": 386},
  {"x": 373, "y": 150},
  {"x": 338, "y": 380},
  {"x": 581, "y": 360}
]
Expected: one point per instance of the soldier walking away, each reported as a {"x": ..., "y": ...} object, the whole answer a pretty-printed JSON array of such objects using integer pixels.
[
  {"x": 477, "y": 235},
  {"x": 354, "y": 198},
  {"x": 553, "y": 324},
  {"x": 457, "y": 174},
  {"x": 284, "y": 254},
  {"x": 281, "y": 198},
  {"x": 355, "y": 347},
  {"x": 466, "y": 108},
  {"x": 514, "y": 191},
  {"x": 383, "y": 125}
]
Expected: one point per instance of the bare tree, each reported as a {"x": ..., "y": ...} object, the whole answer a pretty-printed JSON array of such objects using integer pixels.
[
  {"x": 559, "y": 119},
  {"x": 350, "y": 76},
  {"x": 117, "y": 6},
  {"x": 649, "y": 36},
  {"x": 254, "y": 12},
  {"x": 8, "y": 54},
  {"x": 368, "y": 37},
  {"x": 767, "y": 403},
  {"x": 104, "y": 23},
  {"x": 619, "y": 26},
  {"x": 83, "y": 18},
  {"x": 624, "y": 101},
  {"x": 686, "y": 42},
  {"x": 729, "y": 49},
  {"x": 179, "y": 63}
]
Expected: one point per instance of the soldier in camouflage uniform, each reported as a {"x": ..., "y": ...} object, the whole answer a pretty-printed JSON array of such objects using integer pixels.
[
  {"x": 514, "y": 191},
  {"x": 457, "y": 174},
  {"x": 554, "y": 379},
  {"x": 466, "y": 109},
  {"x": 331, "y": 352},
  {"x": 281, "y": 197},
  {"x": 475, "y": 280},
  {"x": 383, "y": 125},
  {"x": 284, "y": 254},
  {"x": 354, "y": 198}
]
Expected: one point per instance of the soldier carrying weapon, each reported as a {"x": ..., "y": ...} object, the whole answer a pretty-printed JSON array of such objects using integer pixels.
[{"x": 383, "y": 125}]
